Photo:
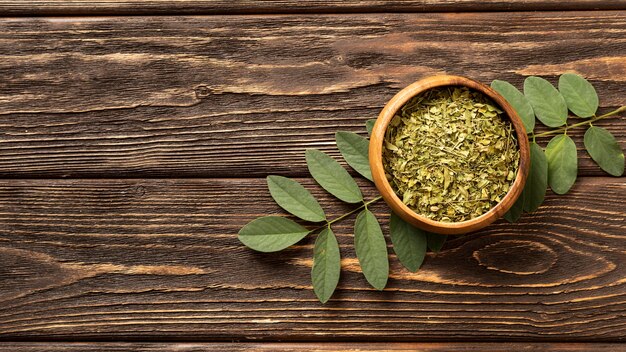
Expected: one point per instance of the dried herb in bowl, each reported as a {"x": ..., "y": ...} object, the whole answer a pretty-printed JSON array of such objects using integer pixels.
[{"x": 450, "y": 155}]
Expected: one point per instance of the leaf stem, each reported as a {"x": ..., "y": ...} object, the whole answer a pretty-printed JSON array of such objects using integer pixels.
[
  {"x": 586, "y": 122},
  {"x": 330, "y": 222}
]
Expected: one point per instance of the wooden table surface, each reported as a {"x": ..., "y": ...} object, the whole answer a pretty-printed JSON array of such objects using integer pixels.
[{"x": 135, "y": 136}]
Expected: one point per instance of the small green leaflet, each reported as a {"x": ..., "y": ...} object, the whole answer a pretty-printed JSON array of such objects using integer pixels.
[
  {"x": 271, "y": 233},
  {"x": 294, "y": 198},
  {"x": 409, "y": 242},
  {"x": 371, "y": 249},
  {"x": 562, "y": 163},
  {"x": 355, "y": 150},
  {"x": 579, "y": 94},
  {"x": 436, "y": 241},
  {"x": 537, "y": 181},
  {"x": 548, "y": 104},
  {"x": 515, "y": 212},
  {"x": 326, "y": 265},
  {"x": 369, "y": 124},
  {"x": 332, "y": 176},
  {"x": 518, "y": 101},
  {"x": 604, "y": 150}
]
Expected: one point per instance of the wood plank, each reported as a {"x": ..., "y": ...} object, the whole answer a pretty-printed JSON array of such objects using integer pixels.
[
  {"x": 189, "y": 7},
  {"x": 312, "y": 347},
  {"x": 245, "y": 95},
  {"x": 159, "y": 259}
]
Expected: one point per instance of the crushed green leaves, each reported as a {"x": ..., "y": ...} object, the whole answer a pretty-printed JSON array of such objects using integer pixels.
[{"x": 450, "y": 155}]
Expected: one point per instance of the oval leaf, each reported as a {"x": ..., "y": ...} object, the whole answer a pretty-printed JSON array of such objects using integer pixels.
[
  {"x": 436, "y": 241},
  {"x": 294, "y": 198},
  {"x": 326, "y": 265},
  {"x": 547, "y": 102},
  {"x": 409, "y": 242},
  {"x": 271, "y": 233},
  {"x": 579, "y": 94},
  {"x": 355, "y": 150},
  {"x": 562, "y": 163},
  {"x": 371, "y": 249},
  {"x": 537, "y": 181},
  {"x": 518, "y": 101},
  {"x": 332, "y": 177},
  {"x": 604, "y": 150},
  {"x": 515, "y": 212},
  {"x": 369, "y": 124}
]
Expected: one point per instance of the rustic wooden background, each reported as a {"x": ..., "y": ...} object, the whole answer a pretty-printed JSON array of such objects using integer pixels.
[{"x": 133, "y": 148}]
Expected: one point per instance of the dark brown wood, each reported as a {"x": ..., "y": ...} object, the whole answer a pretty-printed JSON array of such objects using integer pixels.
[
  {"x": 159, "y": 259},
  {"x": 139, "y": 7},
  {"x": 228, "y": 96},
  {"x": 313, "y": 347},
  {"x": 243, "y": 96}
]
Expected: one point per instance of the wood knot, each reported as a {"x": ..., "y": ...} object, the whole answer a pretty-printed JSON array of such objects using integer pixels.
[
  {"x": 140, "y": 191},
  {"x": 516, "y": 257},
  {"x": 202, "y": 91}
]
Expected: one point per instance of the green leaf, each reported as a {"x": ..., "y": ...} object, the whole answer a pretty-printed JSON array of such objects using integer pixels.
[
  {"x": 369, "y": 124},
  {"x": 294, "y": 198},
  {"x": 605, "y": 150},
  {"x": 518, "y": 101},
  {"x": 409, "y": 242},
  {"x": 515, "y": 212},
  {"x": 271, "y": 233},
  {"x": 537, "y": 181},
  {"x": 547, "y": 102},
  {"x": 436, "y": 241},
  {"x": 332, "y": 177},
  {"x": 562, "y": 163},
  {"x": 579, "y": 94},
  {"x": 326, "y": 265},
  {"x": 355, "y": 150},
  {"x": 371, "y": 249}
]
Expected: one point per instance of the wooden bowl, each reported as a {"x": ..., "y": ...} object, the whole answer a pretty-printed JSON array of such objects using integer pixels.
[{"x": 378, "y": 171}]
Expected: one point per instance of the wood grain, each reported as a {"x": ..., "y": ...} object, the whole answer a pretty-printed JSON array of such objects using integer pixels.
[
  {"x": 228, "y": 96},
  {"x": 313, "y": 347},
  {"x": 189, "y": 7},
  {"x": 159, "y": 259}
]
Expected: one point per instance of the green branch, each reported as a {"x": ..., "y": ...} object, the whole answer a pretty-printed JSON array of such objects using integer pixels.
[
  {"x": 586, "y": 122},
  {"x": 330, "y": 222}
]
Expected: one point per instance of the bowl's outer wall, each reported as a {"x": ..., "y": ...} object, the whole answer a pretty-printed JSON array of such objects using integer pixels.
[{"x": 396, "y": 204}]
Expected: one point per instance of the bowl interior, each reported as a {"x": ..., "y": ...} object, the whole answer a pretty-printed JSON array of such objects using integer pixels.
[{"x": 402, "y": 210}]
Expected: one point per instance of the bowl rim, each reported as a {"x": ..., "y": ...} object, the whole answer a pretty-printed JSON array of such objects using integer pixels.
[{"x": 385, "y": 189}]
